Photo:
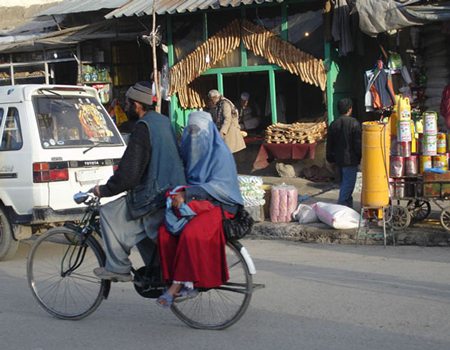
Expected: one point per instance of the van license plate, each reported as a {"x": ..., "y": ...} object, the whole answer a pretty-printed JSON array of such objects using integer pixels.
[{"x": 88, "y": 175}]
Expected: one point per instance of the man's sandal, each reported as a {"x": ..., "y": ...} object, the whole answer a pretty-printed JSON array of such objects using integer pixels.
[{"x": 168, "y": 298}]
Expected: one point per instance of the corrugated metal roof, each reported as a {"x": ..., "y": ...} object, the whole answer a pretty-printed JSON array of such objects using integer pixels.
[
  {"x": 76, "y": 6},
  {"x": 145, "y": 7}
]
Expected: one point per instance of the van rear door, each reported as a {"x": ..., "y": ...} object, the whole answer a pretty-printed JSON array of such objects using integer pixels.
[{"x": 80, "y": 143}]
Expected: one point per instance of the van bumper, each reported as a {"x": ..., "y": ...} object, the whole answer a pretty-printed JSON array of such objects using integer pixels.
[{"x": 48, "y": 215}]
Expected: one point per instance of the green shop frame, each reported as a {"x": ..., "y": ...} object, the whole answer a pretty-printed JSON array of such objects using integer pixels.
[{"x": 179, "y": 115}]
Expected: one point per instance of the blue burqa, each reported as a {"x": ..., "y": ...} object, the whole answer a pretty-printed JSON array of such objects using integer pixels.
[{"x": 208, "y": 160}]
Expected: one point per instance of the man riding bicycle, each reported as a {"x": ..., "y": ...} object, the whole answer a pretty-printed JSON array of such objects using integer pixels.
[{"x": 150, "y": 166}]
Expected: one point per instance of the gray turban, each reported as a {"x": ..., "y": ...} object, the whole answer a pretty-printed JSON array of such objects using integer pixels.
[{"x": 140, "y": 93}]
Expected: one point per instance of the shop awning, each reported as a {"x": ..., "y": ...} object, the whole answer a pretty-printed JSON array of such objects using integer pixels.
[
  {"x": 71, "y": 36},
  {"x": 145, "y": 7},
  {"x": 378, "y": 16}
]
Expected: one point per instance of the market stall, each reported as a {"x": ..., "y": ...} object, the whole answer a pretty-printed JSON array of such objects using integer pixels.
[{"x": 290, "y": 141}]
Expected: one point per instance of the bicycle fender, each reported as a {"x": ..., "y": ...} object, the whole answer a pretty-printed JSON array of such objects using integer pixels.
[{"x": 248, "y": 260}]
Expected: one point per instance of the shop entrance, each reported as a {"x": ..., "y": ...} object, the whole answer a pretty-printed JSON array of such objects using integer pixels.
[
  {"x": 64, "y": 73},
  {"x": 296, "y": 100}
]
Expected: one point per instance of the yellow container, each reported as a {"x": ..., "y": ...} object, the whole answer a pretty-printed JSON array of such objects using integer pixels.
[
  {"x": 418, "y": 125},
  {"x": 375, "y": 164},
  {"x": 441, "y": 143},
  {"x": 440, "y": 161},
  {"x": 413, "y": 138},
  {"x": 393, "y": 121},
  {"x": 425, "y": 162},
  {"x": 403, "y": 108}
]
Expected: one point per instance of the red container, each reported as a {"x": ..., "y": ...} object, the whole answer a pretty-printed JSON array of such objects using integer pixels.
[
  {"x": 404, "y": 149},
  {"x": 411, "y": 166},
  {"x": 397, "y": 166}
]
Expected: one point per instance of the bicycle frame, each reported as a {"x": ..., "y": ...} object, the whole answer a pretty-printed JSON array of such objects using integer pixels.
[{"x": 87, "y": 225}]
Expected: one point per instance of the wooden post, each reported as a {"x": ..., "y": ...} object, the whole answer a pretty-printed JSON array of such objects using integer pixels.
[{"x": 156, "y": 75}]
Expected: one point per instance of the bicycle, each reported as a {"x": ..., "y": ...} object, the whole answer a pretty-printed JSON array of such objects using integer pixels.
[{"x": 60, "y": 274}]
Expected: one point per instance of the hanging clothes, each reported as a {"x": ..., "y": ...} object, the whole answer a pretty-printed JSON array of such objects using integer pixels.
[
  {"x": 341, "y": 28},
  {"x": 379, "y": 87}
]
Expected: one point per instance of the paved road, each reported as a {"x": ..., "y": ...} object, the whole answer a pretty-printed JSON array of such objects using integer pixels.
[{"x": 317, "y": 296}]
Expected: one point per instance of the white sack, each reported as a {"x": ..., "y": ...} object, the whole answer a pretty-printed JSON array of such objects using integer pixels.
[
  {"x": 304, "y": 214},
  {"x": 337, "y": 216}
]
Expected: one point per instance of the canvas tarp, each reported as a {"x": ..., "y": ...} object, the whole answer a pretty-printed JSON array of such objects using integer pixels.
[
  {"x": 378, "y": 16},
  {"x": 70, "y": 36}
]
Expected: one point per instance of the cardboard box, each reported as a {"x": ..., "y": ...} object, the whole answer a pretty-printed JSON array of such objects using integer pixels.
[{"x": 256, "y": 212}]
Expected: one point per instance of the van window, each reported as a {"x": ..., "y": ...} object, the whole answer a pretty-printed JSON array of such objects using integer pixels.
[
  {"x": 11, "y": 135},
  {"x": 74, "y": 122}
]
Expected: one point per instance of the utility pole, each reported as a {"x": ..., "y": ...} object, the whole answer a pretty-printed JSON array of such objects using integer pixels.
[{"x": 156, "y": 75}]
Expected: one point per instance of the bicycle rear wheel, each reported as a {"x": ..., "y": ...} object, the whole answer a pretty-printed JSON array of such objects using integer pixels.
[
  {"x": 60, "y": 273},
  {"x": 221, "y": 307}
]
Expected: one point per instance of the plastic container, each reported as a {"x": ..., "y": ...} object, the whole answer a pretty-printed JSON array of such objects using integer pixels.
[
  {"x": 375, "y": 164},
  {"x": 430, "y": 123},
  {"x": 403, "y": 108}
]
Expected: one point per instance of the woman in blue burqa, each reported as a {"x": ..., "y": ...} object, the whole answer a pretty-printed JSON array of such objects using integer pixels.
[{"x": 192, "y": 247}]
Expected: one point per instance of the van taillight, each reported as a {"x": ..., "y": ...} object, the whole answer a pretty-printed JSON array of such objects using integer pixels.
[
  {"x": 42, "y": 172},
  {"x": 115, "y": 167}
]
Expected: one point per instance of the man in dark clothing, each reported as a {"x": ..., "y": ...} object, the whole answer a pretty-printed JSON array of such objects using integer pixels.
[
  {"x": 150, "y": 166},
  {"x": 344, "y": 149}
]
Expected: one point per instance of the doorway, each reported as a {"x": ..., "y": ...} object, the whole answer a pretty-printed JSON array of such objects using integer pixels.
[{"x": 296, "y": 101}]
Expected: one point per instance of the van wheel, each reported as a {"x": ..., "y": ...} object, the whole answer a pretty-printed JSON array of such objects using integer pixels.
[{"x": 8, "y": 245}]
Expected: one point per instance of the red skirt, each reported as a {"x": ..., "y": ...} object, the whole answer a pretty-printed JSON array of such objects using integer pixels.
[{"x": 198, "y": 253}]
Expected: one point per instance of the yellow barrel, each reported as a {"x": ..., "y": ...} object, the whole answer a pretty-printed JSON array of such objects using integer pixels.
[{"x": 375, "y": 164}]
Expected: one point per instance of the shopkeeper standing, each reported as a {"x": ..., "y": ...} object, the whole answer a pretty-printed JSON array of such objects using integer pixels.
[
  {"x": 226, "y": 120},
  {"x": 344, "y": 149}
]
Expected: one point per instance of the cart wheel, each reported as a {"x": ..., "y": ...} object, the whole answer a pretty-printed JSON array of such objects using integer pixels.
[
  {"x": 401, "y": 218},
  {"x": 444, "y": 218},
  {"x": 419, "y": 209}
]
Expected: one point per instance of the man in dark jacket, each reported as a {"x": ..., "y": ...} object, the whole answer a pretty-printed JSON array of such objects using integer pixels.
[
  {"x": 150, "y": 166},
  {"x": 344, "y": 149}
]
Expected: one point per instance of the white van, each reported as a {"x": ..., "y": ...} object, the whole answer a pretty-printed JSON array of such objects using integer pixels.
[{"x": 54, "y": 142}]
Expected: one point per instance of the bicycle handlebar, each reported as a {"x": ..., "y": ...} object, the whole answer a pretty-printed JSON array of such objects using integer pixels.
[{"x": 86, "y": 198}]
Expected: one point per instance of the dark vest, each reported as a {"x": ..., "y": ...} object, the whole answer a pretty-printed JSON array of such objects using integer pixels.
[{"x": 165, "y": 170}]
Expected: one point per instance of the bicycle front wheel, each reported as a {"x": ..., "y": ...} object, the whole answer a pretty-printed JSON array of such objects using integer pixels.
[
  {"x": 60, "y": 273},
  {"x": 221, "y": 307}
]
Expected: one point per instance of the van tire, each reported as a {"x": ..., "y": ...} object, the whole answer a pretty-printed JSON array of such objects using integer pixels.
[{"x": 8, "y": 245}]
